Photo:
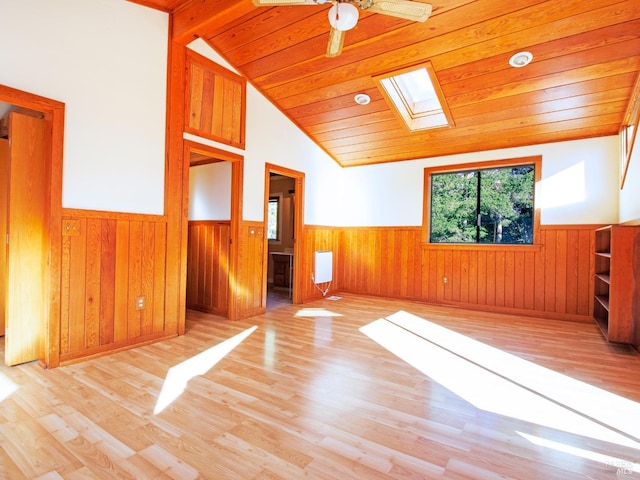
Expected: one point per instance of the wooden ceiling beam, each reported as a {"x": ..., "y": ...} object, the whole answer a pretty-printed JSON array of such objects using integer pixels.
[{"x": 201, "y": 17}]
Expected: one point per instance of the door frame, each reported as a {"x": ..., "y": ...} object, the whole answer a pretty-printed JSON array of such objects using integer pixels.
[
  {"x": 298, "y": 230},
  {"x": 237, "y": 169},
  {"x": 53, "y": 112}
]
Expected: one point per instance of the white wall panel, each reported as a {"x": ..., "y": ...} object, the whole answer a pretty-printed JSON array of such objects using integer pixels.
[
  {"x": 579, "y": 185},
  {"x": 106, "y": 60},
  {"x": 210, "y": 191}
]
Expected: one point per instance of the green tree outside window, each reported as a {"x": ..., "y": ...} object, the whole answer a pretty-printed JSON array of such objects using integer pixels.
[{"x": 493, "y": 205}]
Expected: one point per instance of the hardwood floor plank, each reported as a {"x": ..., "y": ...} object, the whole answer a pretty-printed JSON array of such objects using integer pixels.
[
  {"x": 8, "y": 468},
  {"x": 308, "y": 394}
]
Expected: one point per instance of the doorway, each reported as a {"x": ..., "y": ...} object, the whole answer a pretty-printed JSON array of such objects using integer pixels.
[
  {"x": 284, "y": 190},
  {"x": 33, "y": 227},
  {"x": 214, "y": 188}
]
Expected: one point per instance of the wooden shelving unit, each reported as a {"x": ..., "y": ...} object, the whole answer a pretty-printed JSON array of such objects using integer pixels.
[{"x": 616, "y": 307}]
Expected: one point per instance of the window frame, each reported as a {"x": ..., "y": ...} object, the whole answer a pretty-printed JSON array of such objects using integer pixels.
[
  {"x": 399, "y": 103},
  {"x": 278, "y": 239},
  {"x": 536, "y": 161},
  {"x": 629, "y": 132}
]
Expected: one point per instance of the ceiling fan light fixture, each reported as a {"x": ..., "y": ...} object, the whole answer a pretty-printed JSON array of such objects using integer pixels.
[
  {"x": 343, "y": 16},
  {"x": 362, "y": 99},
  {"x": 521, "y": 59}
]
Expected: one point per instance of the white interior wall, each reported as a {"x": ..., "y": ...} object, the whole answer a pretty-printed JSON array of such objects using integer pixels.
[
  {"x": 630, "y": 194},
  {"x": 210, "y": 191},
  {"x": 579, "y": 185},
  {"x": 107, "y": 61}
]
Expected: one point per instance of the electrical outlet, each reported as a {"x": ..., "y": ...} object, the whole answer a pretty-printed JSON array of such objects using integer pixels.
[
  {"x": 445, "y": 280},
  {"x": 70, "y": 228},
  {"x": 140, "y": 302}
]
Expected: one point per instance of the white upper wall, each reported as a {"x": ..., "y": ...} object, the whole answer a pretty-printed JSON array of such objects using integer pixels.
[
  {"x": 579, "y": 185},
  {"x": 210, "y": 191},
  {"x": 107, "y": 61}
]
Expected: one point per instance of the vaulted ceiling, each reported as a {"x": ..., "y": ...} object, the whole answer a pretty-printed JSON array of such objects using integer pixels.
[{"x": 586, "y": 62}]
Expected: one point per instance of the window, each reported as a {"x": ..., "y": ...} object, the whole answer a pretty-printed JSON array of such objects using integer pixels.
[
  {"x": 416, "y": 97},
  {"x": 490, "y": 203},
  {"x": 628, "y": 132},
  {"x": 273, "y": 219}
]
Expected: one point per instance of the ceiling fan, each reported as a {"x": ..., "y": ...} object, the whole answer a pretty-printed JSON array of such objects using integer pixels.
[{"x": 343, "y": 14}]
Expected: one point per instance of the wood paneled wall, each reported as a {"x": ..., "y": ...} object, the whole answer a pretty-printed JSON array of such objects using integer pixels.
[
  {"x": 319, "y": 238},
  {"x": 552, "y": 280},
  {"x": 208, "y": 266},
  {"x": 216, "y": 101},
  {"x": 107, "y": 264},
  {"x": 250, "y": 274},
  {"x": 5, "y": 162}
]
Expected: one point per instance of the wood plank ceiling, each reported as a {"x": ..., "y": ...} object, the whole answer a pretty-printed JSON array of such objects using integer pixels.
[{"x": 586, "y": 62}]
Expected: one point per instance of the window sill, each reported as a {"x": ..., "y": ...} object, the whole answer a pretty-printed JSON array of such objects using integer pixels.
[{"x": 478, "y": 247}]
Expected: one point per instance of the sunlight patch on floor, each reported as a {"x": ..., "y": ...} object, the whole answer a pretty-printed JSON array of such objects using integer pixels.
[
  {"x": 615, "y": 464},
  {"x": 7, "y": 387},
  {"x": 179, "y": 375},
  {"x": 499, "y": 382}
]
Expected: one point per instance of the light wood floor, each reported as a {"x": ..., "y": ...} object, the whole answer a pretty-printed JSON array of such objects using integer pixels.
[
  {"x": 277, "y": 297},
  {"x": 313, "y": 397}
]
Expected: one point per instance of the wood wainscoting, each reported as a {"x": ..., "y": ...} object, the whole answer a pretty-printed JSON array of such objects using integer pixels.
[
  {"x": 250, "y": 281},
  {"x": 319, "y": 238},
  {"x": 552, "y": 279},
  {"x": 208, "y": 266},
  {"x": 110, "y": 263},
  {"x": 208, "y": 279}
]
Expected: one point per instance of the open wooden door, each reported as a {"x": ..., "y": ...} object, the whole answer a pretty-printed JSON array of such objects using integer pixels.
[
  {"x": 26, "y": 300},
  {"x": 4, "y": 211}
]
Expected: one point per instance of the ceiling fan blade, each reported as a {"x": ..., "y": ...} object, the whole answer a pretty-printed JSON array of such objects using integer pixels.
[
  {"x": 407, "y": 9},
  {"x": 336, "y": 39},
  {"x": 275, "y": 3}
]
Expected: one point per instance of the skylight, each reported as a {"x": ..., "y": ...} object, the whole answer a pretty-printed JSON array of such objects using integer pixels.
[{"x": 417, "y": 98}]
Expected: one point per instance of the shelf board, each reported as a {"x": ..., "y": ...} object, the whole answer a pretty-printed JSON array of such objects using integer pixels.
[
  {"x": 603, "y": 324},
  {"x": 604, "y": 254},
  {"x": 605, "y": 277},
  {"x": 604, "y": 301}
]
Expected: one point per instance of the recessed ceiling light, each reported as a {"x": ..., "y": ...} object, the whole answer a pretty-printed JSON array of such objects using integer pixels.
[
  {"x": 362, "y": 99},
  {"x": 521, "y": 59}
]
